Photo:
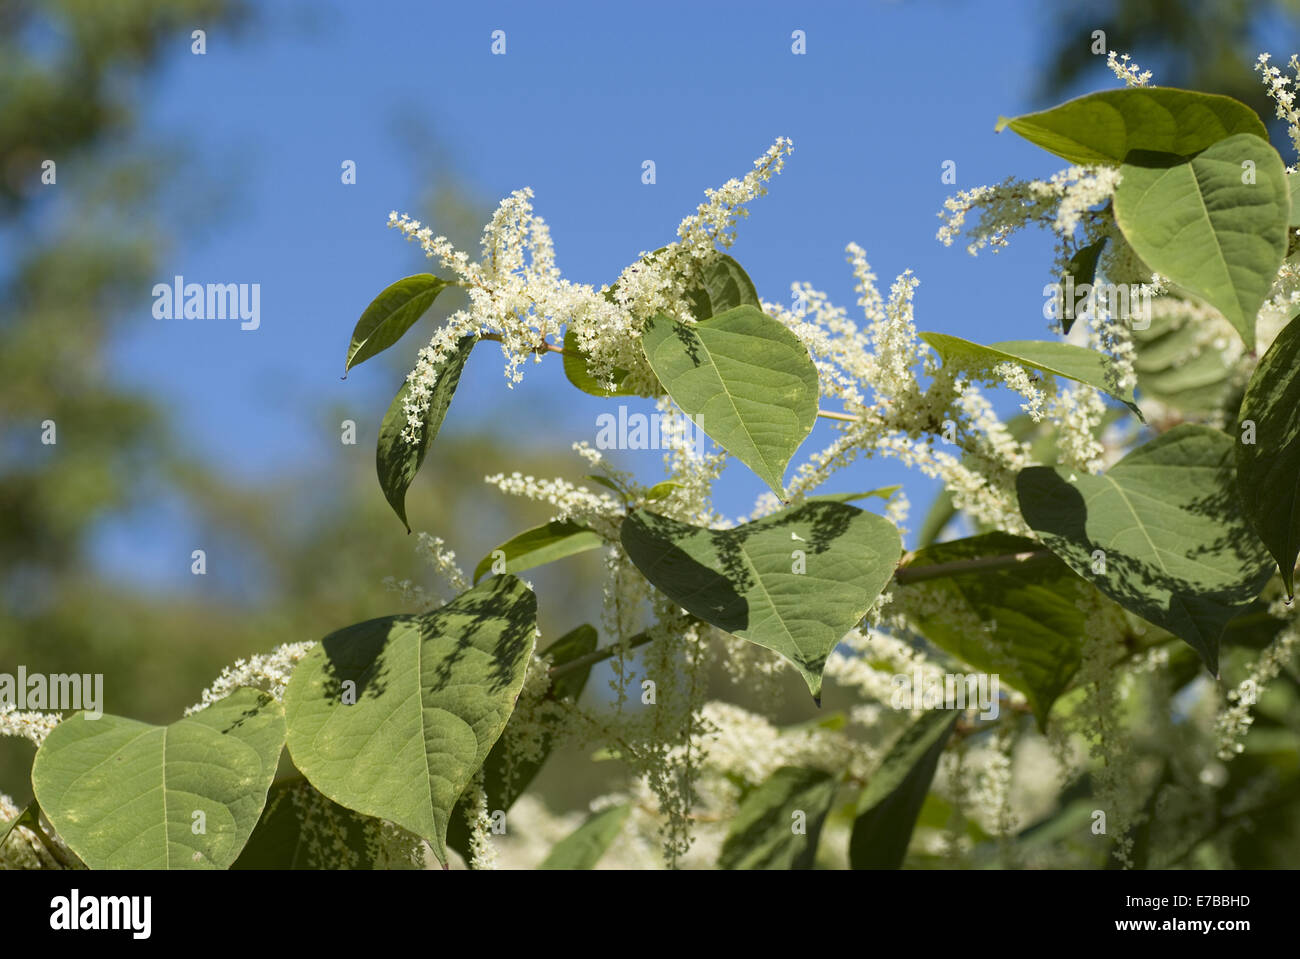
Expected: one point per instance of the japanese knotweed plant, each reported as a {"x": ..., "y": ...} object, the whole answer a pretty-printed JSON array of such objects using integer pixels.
[{"x": 1039, "y": 682}]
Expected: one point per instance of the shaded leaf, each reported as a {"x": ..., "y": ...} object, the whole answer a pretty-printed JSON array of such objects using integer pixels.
[
  {"x": 779, "y": 823},
  {"x": 796, "y": 581},
  {"x": 1030, "y": 627},
  {"x": 891, "y": 801},
  {"x": 746, "y": 381},
  {"x": 396, "y": 460},
  {"x": 432, "y": 694},
  {"x": 1176, "y": 549},
  {"x": 1268, "y": 470}
]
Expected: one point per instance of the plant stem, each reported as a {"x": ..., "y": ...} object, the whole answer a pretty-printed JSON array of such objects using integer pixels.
[
  {"x": 543, "y": 348},
  {"x": 915, "y": 574},
  {"x": 573, "y": 665},
  {"x": 832, "y": 415}
]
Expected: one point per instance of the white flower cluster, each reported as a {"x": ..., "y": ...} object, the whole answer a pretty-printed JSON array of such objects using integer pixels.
[
  {"x": 1127, "y": 70},
  {"x": 32, "y": 726},
  {"x": 1061, "y": 204},
  {"x": 1282, "y": 90},
  {"x": 518, "y": 297},
  {"x": 269, "y": 672},
  {"x": 1235, "y": 720}
]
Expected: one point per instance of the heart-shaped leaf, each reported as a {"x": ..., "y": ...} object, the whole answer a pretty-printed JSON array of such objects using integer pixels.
[
  {"x": 127, "y": 795},
  {"x": 391, "y": 314},
  {"x": 1268, "y": 467},
  {"x": 541, "y": 545},
  {"x": 746, "y": 380},
  {"x": 796, "y": 581},
  {"x": 1103, "y": 127},
  {"x": 1161, "y": 533},
  {"x": 396, "y": 460},
  {"x": 1062, "y": 359},
  {"x": 1214, "y": 224},
  {"x": 763, "y": 834},
  {"x": 392, "y": 717}
]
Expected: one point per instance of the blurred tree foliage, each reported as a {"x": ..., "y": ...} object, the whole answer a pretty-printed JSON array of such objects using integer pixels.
[
  {"x": 317, "y": 545},
  {"x": 1208, "y": 45}
]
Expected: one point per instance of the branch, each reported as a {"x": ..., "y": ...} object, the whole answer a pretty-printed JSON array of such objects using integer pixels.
[{"x": 915, "y": 574}]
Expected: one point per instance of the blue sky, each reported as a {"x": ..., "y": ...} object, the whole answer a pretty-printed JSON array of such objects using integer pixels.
[{"x": 585, "y": 93}]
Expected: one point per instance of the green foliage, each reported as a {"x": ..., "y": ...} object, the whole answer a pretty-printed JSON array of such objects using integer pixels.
[
  {"x": 1082, "y": 270},
  {"x": 127, "y": 795},
  {"x": 1268, "y": 467},
  {"x": 746, "y": 380},
  {"x": 1031, "y": 625},
  {"x": 392, "y": 717},
  {"x": 1215, "y": 223},
  {"x": 1161, "y": 533},
  {"x": 795, "y": 581},
  {"x": 583, "y": 848},
  {"x": 891, "y": 801},
  {"x": 542, "y": 544},
  {"x": 779, "y": 823},
  {"x": 1061, "y": 359},
  {"x": 391, "y": 314},
  {"x": 1106, "y": 127},
  {"x": 505, "y": 775},
  {"x": 396, "y": 460}
]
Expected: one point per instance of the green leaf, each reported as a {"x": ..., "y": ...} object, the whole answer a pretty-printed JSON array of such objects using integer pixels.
[
  {"x": 396, "y": 460},
  {"x": 1080, "y": 271},
  {"x": 746, "y": 380},
  {"x": 541, "y": 545},
  {"x": 796, "y": 581},
  {"x": 1293, "y": 188},
  {"x": 723, "y": 285},
  {"x": 583, "y": 848},
  {"x": 124, "y": 794},
  {"x": 661, "y": 491},
  {"x": 1030, "y": 627},
  {"x": 1062, "y": 359},
  {"x": 301, "y": 829},
  {"x": 1103, "y": 127},
  {"x": 391, "y": 314},
  {"x": 432, "y": 694},
  {"x": 505, "y": 775},
  {"x": 885, "y": 492},
  {"x": 1177, "y": 551},
  {"x": 1268, "y": 470},
  {"x": 779, "y": 823},
  {"x": 1195, "y": 222},
  {"x": 891, "y": 801},
  {"x": 577, "y": 369},
  {"x": 1176, "y": 366}
]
